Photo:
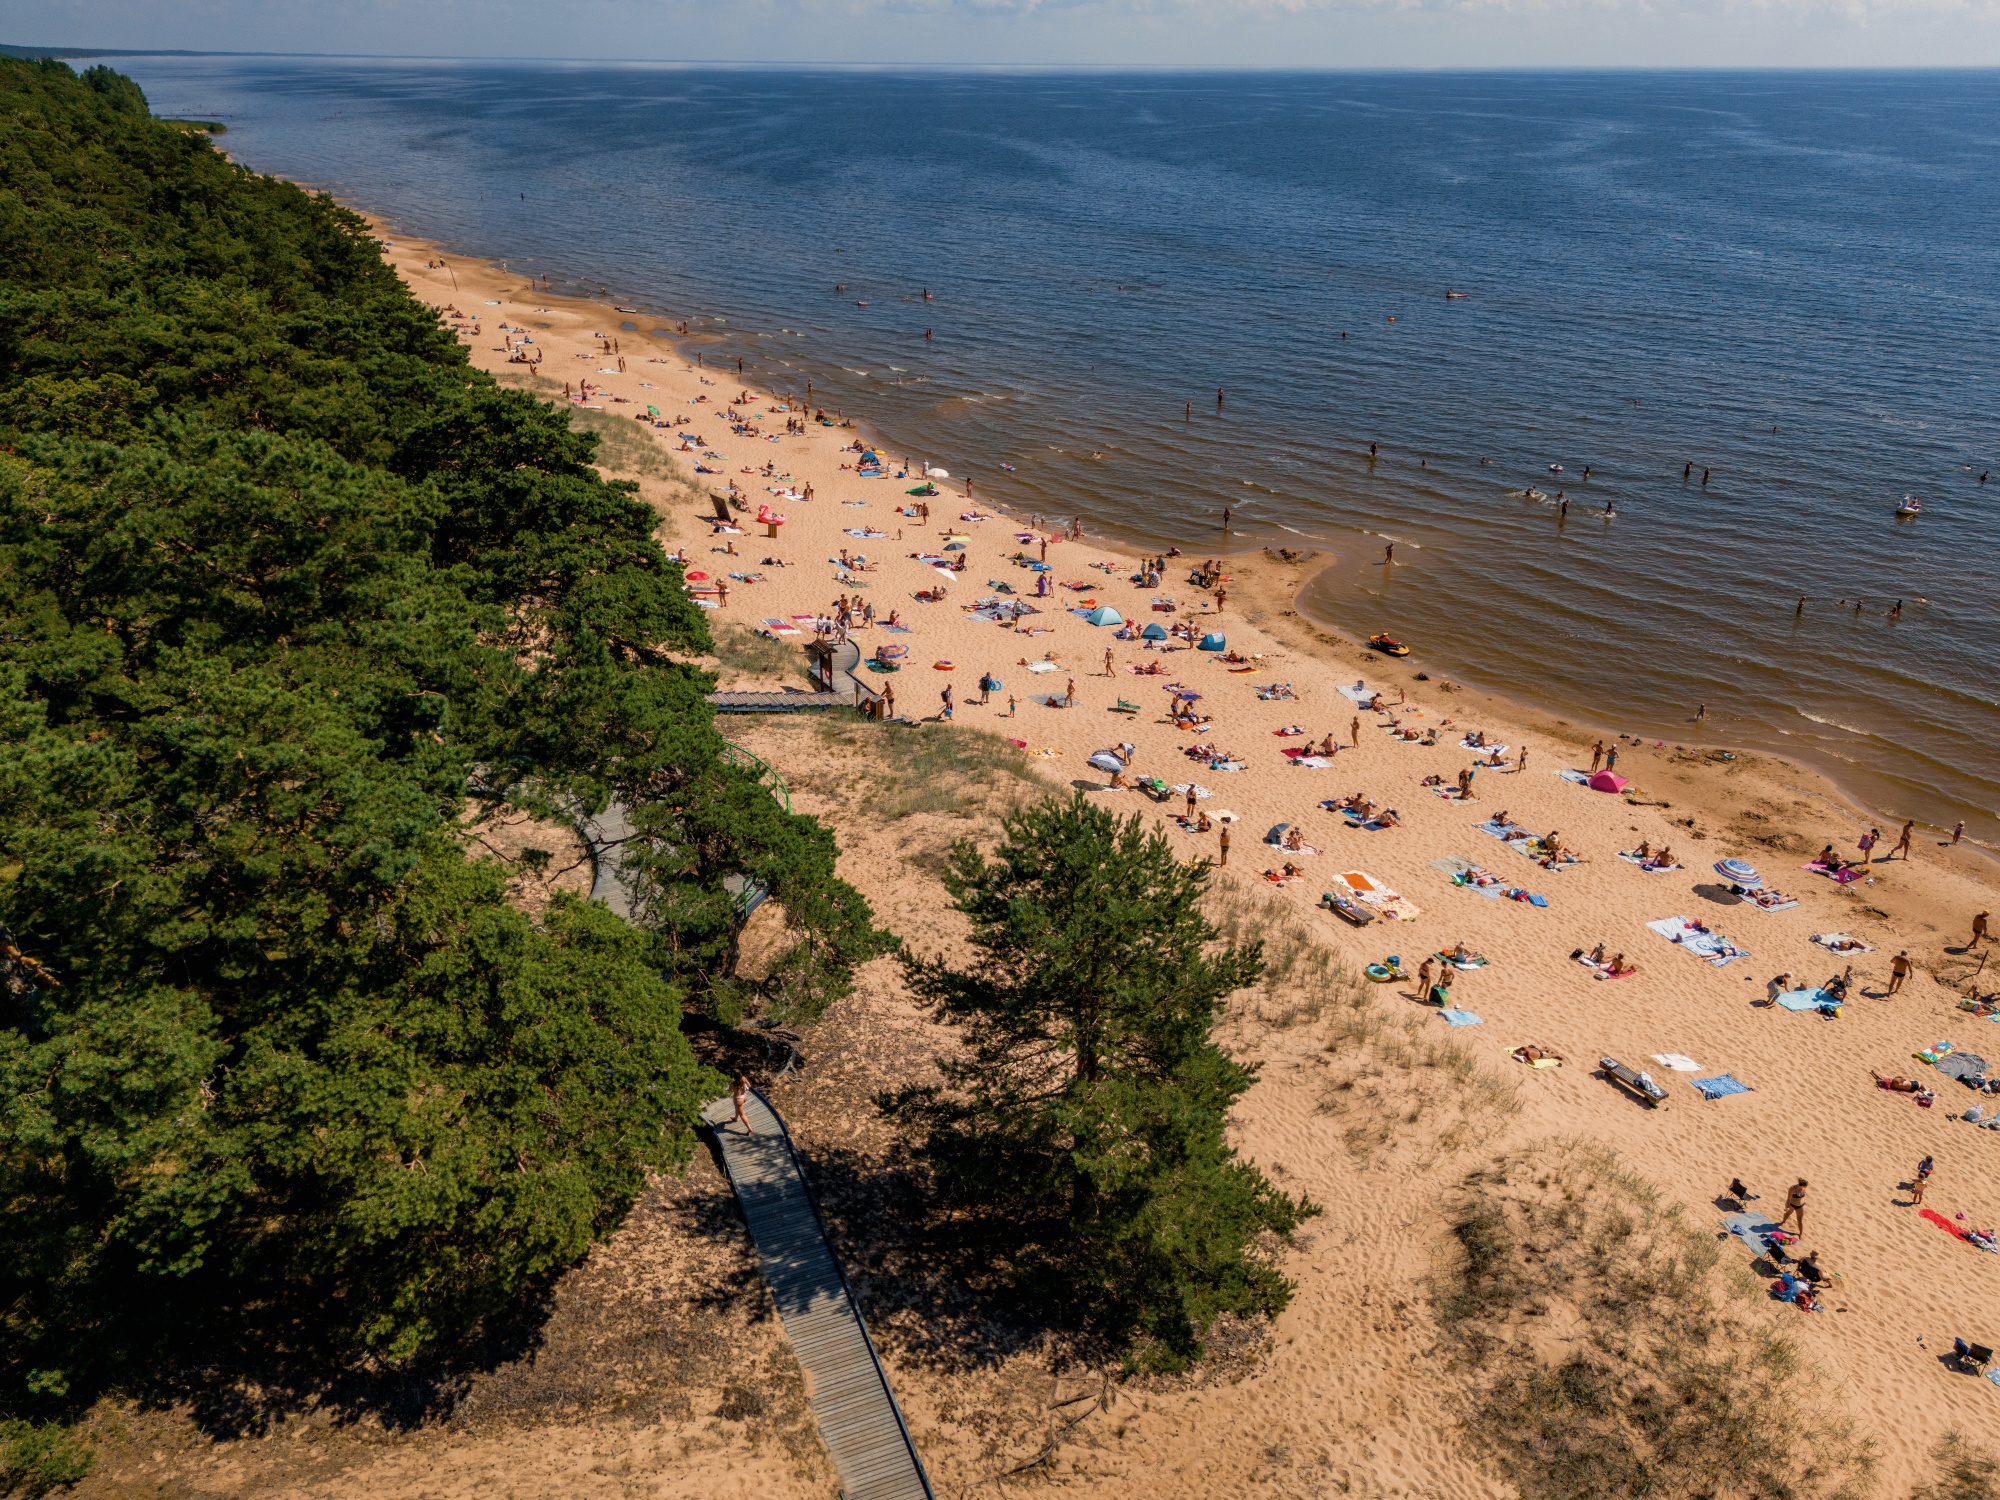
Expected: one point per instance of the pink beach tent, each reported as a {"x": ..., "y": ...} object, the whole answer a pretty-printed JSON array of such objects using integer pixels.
[{"x": 1605, "y": 781}]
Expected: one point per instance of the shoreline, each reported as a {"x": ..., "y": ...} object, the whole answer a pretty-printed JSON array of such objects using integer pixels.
[
  {"x": 1776, "y": 775},
  {"x": 1847, "y": 791}
]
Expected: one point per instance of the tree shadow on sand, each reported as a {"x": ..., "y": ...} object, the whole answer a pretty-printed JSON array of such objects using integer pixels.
[{"x": 932, "y": 1285}]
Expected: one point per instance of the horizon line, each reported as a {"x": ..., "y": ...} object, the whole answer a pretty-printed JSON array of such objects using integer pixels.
[{"x": 29, "y": 52}]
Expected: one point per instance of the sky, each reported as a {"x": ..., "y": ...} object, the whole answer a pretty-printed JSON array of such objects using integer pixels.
[{"x": 981, "y": 33}]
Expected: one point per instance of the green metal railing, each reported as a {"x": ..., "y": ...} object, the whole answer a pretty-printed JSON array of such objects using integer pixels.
[{"x": 736, "y": 755}]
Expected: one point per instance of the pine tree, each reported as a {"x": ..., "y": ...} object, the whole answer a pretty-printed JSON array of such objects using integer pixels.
[{"x": 1084, "y": 1121}]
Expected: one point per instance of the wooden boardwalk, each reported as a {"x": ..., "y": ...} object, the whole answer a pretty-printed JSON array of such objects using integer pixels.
[{"x": 848, "y": 1387}]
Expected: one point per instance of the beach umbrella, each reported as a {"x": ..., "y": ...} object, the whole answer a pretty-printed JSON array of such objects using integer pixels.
[
  {"x": 1189, "y": 694},
  {"x": 698, "y": 577},
  {"x": 1605, "y": 781},
  {"x": 1212, "y": 642},
  {"x": 1153, "y": 632},
  {"x": 1739, "y": 872},
  {"x": 1104, "y": 614},
  {"x": 654, "y": 410},
  {"x": 946, "y": 574},
  {"x": 1104, "y": 760}
]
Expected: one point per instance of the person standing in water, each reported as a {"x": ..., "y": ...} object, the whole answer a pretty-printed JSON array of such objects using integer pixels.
[{"x": 1389, "y": 554}]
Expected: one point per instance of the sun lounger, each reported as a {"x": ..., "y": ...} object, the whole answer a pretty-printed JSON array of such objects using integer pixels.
[{"x": 1640, "y": 1085}]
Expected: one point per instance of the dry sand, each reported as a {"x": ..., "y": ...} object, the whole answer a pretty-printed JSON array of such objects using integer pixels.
[{"x": 1345, "y": 1395}]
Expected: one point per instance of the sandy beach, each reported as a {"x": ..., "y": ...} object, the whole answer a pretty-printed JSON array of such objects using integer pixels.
[{"x": 1345, "y": 1397}]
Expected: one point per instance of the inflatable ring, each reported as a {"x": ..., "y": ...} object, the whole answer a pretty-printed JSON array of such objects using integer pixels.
[
  {"x": 942, "y": 666},
  {"x": 1379, "y": 973}
]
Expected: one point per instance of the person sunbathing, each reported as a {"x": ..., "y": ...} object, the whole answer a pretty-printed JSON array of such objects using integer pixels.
[
  {"x": 1365, "y": 809},
  {"x": 1430, "y": 737},
  {"x": 1618, "y": 968},
  {"x": 1201, "y": 823},
  {"x": 1897, "y": 1084},
  {"x": 1460, "y": 954},
  {"x": 1664, "y": 860},
  {"x": 1327, "y": 746},
  {"x": 1531, "y": 1054},
  {"x": 1295, "y": 839},
  {"x": 1644, "y": 851},
  {"x": 1387, "y": 818},
  {"x": 1476, "y": 739}
]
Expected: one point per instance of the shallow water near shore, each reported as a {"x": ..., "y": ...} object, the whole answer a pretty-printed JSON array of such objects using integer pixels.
[{"x": 1788, "y": 281}]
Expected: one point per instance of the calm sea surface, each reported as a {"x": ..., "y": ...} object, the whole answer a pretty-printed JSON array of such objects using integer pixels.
[{"x": 1791, "y": 282}]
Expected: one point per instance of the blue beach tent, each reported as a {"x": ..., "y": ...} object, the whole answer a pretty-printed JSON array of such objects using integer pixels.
[
  {"x": 1153, "y": 633},
  {"x": 1212, "y": 642},
  {"x": 1104, "y": 614}
]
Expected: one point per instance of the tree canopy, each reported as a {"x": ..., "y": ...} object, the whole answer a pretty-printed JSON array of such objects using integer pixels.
[
  {"x": 288, "y": 593},
  {"x": 1084, "y": 1121}
]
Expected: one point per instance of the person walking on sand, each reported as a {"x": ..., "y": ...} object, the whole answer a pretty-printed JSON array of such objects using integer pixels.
[
  {"x": 1013, "y": 704},
  {"x": 1919, "y": 1180},
  {"x": 1354, "y": 730},
  {"x": 1866, "y": 844},
  {"x": 1190, "y": 799},
  {"x": 739, "y": 1092},
  {"x": 1795, "y": 1207},
  {"x": 1899, "y": 970},
  {"x": 1223, "y": 863},
  {"x": 945, "y": 696},
  {"x": 1903, "y": 843},
  {"x": 1957, "y": 832},
  {"x": 1107, "y": 662},
  {"x": 1221, "y": 598},
  {"x": 1978, "y": 931}
]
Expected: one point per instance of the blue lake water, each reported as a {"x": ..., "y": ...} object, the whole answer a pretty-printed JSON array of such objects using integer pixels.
[{"x": 1789, "y": 281}]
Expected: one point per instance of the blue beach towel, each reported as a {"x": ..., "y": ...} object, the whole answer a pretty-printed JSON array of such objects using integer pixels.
[
  {"x": 1579, "y": 777},
  {"x": 1807, "y": 999},
  {"x": 1750, "y": 1228},
  {"x": 1459, "y": 1018},
  {"x": 1719, "y": 1086}
]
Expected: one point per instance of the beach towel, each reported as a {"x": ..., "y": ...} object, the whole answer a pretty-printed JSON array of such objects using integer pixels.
[
  {"x": 1312, "y": 762},
  {"x": 1752, "y": 1228},
  {"x": 1453, "y": 864},
  {"x": 1811, "y": 998},
  {"x": 1466, "y": 744},
  {"x": 1357, "y": 694},
  {"x": 1961, "y": 1065},
  {"x": 1833, "y": 941},
  {"x": 781, "y": 627},
  {"x": 1838, "y": 877},
  {"x": 1515, "y": 893},
  {"x": 1969, "y": 1236},
  {"x": 1043, "y": 666},
  {"x": 1631, "y": 857},
  {"x": 1200, "y": 791},
  {"x": 1459, "y": 1018},
  {"x": 1720, "y": 1086},
  {"x": 1677, "y": 1062},
  {"x": 1581, "y": 778},
  {"x": 1710, "y": 947}
]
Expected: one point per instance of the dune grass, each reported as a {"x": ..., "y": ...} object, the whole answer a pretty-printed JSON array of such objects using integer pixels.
[
  {"x": 1964, "y": 1472},
  {"x": 1602, "y": 1355}
]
